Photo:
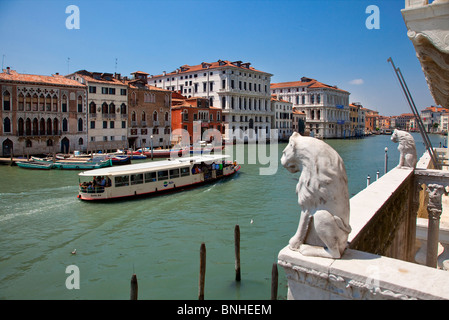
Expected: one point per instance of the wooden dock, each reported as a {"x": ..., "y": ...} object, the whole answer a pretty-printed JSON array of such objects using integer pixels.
[{"x": 11, "y": 161}]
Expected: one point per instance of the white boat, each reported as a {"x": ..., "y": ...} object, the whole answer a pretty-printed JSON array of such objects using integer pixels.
[{"x": 153, "y": 178}]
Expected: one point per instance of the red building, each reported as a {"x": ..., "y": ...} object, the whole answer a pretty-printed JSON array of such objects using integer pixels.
[{"x": 195, "y": 116}]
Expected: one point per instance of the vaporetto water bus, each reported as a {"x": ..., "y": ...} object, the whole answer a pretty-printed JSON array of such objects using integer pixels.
[{"x": 153, "y": 178}]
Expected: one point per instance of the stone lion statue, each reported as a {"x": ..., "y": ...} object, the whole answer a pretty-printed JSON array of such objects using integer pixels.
[
  {"x": 323, "y": 195},
  {"x": 407, "y": 148}
]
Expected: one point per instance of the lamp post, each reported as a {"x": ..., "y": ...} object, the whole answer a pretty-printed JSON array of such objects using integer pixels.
[{"x": 151, "y": 146}]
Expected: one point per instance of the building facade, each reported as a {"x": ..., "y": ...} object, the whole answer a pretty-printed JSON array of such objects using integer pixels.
[
  {"x": 282, "y": 118},
  {"x": 41, "y": 114},
  {"x": 326, "y": 107},
  {"x": 149, "y": 113},
  {"x": 299, "y": 122},
  {"x": 107, "y": 109},
  {"x": 196, "y": 116},
  {"x": 241, "y": 91},
  {"x": 431, "y": 118}
]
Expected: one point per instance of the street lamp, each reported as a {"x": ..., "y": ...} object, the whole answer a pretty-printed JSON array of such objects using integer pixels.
[{"x": 151, "y": 146}]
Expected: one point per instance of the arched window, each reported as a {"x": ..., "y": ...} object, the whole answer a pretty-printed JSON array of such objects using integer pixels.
[
  {"x": 64, "y": 104},
  {"x": 49, "y": 126},
  {"x": 123, "y": 108},
  {"x": 112, "y": 108},
  {"x": 80, "y": 141},
  {"x": 20, "y": 126},
  {"x": 104, "y": 108},
  {"x": 6, "y": 125},
  {"x": 55, "y": 126},
  {"x": 21, "y": 101},
  {"x": 41, "y": 101},
  {"x": 50, "y": 143},
  {"x": 6, "y": 101},
  {"x": 35, "y": 127},
  {"x": 48, "y": 103},
  {"x": 80, "y": 104},
  {"x": 144, "y": 116},
  {"x": 28, "y": 143},
  {"x": 42, "y": 127},
  {"x": 28, "y": 127},
  {"x": 303, "y": 99},
  {"x": 155, "y": 116},
  {"x": 80, "y": 124},
  {"x": 92, "y": 108},
  {"x": 28, "y": 102},
  {"x": 312, "y": 99},
  {"x": 64, "y": 125},
  {"x": 166, "y": 116},
  {"x": 55, "y": 103},
  {"x": 133, "y": 116}
]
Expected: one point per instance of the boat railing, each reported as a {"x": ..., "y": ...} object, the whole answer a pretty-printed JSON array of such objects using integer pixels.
[{"x": 90, "y": 189}]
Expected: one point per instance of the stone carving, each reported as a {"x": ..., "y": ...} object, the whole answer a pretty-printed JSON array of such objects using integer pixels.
[
  {"x": 407, "y": 149},
  {"x": 323, "y": 195}
]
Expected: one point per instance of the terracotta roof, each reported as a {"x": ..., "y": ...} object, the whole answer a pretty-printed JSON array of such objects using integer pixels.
[
  {"x": 211, "y": 65},
  {"x": 131, "y": 84},
  {"x": 98, "y": 77},
  {"x": 304, "y": 82},
  {"x": 54, "y": 79}
]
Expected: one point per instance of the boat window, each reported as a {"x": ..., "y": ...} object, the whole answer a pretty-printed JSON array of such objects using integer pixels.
[
  {"x": 161, "y": 175},
  {"x": 137, "y": 178},
  {"x": 150, "y": 177},
  {"x": 121, "y": 181},
  {"x": 185, "y": 172},
  {"x": 174, "y": 173}
]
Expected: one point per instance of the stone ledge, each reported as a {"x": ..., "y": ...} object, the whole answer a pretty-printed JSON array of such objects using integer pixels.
[
  {"x": 370, "y": 200},
  {"x": 360, "y": 275}
]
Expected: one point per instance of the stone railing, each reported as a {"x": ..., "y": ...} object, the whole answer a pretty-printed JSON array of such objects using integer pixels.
[{"x": 379, "y": 261}]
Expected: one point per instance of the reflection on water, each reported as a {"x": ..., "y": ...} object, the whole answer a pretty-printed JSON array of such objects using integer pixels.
[{"x": 42, "y": 222}]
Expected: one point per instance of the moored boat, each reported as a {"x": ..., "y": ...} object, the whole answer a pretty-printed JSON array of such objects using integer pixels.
[
  {"x": 152, "y": 178},
  {"x": 82, "y": 165},
  {"x": 35, "y": 165}
]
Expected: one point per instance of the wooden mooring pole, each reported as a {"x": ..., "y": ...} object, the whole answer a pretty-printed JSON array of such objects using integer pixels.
[
  {"x": 202, "y": 277},
  {"x": 134, "y": 287},
  {"x": 274, "y": 282},
  {"x": 237, "y": 252}
]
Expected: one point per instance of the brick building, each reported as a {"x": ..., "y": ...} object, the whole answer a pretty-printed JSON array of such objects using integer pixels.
[{"x": 41, "y": 114}]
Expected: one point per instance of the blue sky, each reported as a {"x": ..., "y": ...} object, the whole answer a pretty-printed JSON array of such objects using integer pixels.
[{"x": 324, "y": 40}]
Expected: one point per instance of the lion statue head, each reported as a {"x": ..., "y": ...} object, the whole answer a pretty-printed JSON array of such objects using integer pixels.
[
  {"x": 323, "y": 195},
  {"x": 407, "y": 149}
]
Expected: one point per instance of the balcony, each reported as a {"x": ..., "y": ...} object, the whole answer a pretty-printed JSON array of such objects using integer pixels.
[{"x": 382, "y": 260}]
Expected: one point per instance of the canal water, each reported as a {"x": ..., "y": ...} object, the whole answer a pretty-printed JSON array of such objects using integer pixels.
[{"x": 158, "y": 239}]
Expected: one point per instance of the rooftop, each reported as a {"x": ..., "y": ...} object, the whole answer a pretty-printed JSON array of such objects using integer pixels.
[
  {"x": 211, "y": 65},
  {"x": 55, "y": 79},
  {"x": 306, "y": 83}
]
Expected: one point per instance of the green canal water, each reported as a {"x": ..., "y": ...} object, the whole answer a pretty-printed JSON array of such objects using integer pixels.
[{"x": 158, "y": 239}]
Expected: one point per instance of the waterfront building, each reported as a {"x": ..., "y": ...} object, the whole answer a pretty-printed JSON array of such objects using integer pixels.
[
  {"x": 41, "y": 114},
  {"x": 431, "y": 118},
  {"x": 241, "y": 91},
  {"x": 371, "y": 120},
  {"x": 326, "y": 107},
  {"x": 299, "y": 122},
  {"x": 282, "y": 118},
  {"x": 149, "y": 115},
  {"x": 402, "y": 121},
  {"x": 107, "y": 109},
  {"x": 444, "y": 123},
  {"x": 195, "y": 115},
  {"x": 357, "y": 119}
]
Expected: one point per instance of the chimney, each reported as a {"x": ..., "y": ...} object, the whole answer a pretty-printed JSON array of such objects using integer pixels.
[{"x": 8, "y": 70}]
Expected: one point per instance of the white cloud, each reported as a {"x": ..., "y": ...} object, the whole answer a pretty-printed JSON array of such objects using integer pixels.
[{"x": 356, "y": 82}]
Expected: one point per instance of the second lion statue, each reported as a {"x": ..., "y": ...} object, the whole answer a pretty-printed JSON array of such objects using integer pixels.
[{"x": 323, "y": 195}]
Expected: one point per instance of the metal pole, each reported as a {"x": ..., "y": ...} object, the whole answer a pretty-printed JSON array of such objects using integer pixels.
[
  {"x": 415, "y": 113},
  {"x": 386, "y": 160}
]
